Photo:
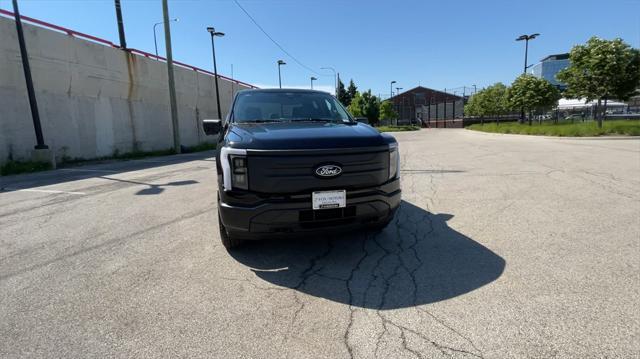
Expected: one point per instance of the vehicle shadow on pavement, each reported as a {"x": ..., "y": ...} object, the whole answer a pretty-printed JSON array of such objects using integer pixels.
[
  {"x": 152, "y": 188},
  {"x": 417, "y": 259}
]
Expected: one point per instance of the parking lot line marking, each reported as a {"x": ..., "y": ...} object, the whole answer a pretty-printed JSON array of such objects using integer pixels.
[
  {"x": 86, "y": 170},
  {"x": 40, "y": 190}
]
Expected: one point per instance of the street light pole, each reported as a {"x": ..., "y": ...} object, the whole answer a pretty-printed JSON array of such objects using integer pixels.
[
  {"x": 335, "y": 79},
  {"x": 35, "y": 115},
  {"x": 526, "y": 54},
  {"x": 280, "y": 63},
  {"x": 526, "y": 39},
  {"x": 312, "y": 79},
  {"x": 215, "y": 33},
  {"x": 155, "y": 41},
  {"x": 123, "y": 41},
  {"x": 391, "y": 88}
]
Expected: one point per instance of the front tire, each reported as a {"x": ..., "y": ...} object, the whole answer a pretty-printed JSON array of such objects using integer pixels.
[{"x": 228, "y": 241}]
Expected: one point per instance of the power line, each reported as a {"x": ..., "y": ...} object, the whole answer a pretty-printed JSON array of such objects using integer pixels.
[{"x": 275, "y": 42}]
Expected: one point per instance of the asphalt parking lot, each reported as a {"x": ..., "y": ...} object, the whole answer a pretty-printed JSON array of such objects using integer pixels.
[{"x": 504, "y": 246}]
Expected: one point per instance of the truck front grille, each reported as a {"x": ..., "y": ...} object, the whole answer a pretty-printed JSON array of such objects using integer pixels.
[{"x": 295, "y": 173}]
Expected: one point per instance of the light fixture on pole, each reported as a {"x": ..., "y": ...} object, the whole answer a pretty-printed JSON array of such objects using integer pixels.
[
  {"x": 391, "y": 88},
  {"x": 155, "y": 41},
  {"x": 313, "y": 79},
  {"x": 215, "y": 33},
  {"x": 280, "y": 63},
  {"x": 526, "y": 39}
]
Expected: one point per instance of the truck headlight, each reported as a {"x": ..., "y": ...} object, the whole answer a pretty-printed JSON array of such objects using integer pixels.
[
  {"x": 234, "y": 168},
  {"x": 239, "y": 173},
  {"x": 394, "y": 160}
]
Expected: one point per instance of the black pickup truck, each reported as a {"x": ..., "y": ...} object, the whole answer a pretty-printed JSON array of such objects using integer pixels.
[{"x": 296, "y": 162}]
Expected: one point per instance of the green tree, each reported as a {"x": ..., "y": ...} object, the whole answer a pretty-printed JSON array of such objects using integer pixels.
[
  {"x": 342, "y": 94},
  {"x": 531, "y": 93},
  {"x": 356, "y": 106},
  {"x": 371, "y": 107},
  {"x": 601, "y": 70},
  {"x": 365, "y": 105},
  {"x": 351, "y": 91},
  {"x": 491, "y": 101},
  {"x": 387, "y": 112}
]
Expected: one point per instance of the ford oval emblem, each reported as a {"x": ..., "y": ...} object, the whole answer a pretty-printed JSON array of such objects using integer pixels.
[{"x": 328, "y": 171}]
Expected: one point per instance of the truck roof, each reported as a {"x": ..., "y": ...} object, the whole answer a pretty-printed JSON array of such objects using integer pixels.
[{"x": 283, "y": 90}]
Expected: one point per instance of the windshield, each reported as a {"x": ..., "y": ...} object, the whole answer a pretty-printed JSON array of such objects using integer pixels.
[{"x": 258, "y": 106}]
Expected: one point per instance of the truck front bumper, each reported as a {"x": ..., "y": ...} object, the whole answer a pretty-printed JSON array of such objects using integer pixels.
[{"x": 292, "y": 215}]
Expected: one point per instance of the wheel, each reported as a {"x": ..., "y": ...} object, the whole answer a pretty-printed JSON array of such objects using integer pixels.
[{"x": 228, "y": 241}]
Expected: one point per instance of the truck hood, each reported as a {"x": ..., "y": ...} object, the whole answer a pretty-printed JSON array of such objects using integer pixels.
[{"x": 304, "y": 135}]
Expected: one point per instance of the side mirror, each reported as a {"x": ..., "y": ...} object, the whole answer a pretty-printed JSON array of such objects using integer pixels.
[
  {"x": 211, "y": 127},
  {"x": 363, "y": 120}
]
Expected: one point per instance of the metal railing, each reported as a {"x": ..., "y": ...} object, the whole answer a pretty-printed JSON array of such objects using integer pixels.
[{"x": 82, "y": 35}]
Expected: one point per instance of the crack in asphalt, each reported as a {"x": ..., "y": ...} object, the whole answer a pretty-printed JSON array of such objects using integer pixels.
[
  {"x": 380, "y": 262},
  {"x": 351, "y": 310},
  {"x": 458, "y": 333},
  {"x": 401, "y": 264},
  {"x": 405, "y": 345},
  {"x": 441, "y": 347},
  {"x": 304, "y": 276}
]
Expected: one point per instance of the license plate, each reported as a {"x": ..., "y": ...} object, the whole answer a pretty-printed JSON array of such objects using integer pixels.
[{"x": 329, "y": 199}]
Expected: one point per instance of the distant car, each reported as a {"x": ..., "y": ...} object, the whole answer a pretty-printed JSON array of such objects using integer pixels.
[
  {"x": 296, "y": 162},
  {"x": 574, "y": 116}
]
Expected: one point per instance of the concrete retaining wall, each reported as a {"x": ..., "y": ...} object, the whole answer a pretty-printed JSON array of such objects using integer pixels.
[{"x": 95, "y": 100}]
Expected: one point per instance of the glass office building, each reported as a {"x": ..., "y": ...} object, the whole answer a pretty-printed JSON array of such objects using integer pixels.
[{"x": 548, "y": 67}]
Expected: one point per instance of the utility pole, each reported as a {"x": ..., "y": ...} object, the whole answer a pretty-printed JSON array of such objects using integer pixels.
[
  {"x": 123, "y": 41},
  {"x": 35, "y": 115},
  {"x": 172, "y": 84}
]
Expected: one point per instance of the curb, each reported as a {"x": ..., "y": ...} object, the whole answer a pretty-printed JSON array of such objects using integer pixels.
[{"x": 605, "y": 137}]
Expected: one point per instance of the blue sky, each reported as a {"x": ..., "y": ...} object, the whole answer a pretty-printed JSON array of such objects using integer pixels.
[{"x": 437, "y": 44}]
